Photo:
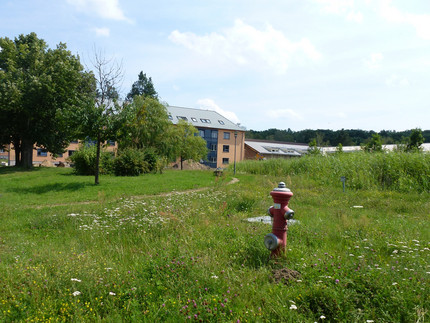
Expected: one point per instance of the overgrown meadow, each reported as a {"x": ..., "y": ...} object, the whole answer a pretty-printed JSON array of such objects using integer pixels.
[{"x": 177, "y": 247}]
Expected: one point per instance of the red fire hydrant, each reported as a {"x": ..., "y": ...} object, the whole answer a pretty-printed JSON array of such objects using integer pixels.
[{"x": 277, "y": 240}]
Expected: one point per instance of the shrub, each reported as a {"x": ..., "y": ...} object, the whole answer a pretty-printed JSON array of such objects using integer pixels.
[
  {"x": 130, "y": 162},
  {"x": 84, "y": 161},
  {"x": 151, "y": 158}
]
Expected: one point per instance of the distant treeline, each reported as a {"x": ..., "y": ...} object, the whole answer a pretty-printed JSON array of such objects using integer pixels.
[{"x": 324, "y": 137}]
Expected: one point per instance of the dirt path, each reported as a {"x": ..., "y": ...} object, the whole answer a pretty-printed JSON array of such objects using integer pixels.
[{"x": 139, "y": 197}]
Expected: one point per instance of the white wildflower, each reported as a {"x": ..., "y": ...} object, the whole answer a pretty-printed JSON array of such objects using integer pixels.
[
  {"x": 76, "y": 293},
  {"x": 293, "y": 307},
  {"x": 75, "y": 280},
  {"x": 322, "y": 317},
  {"x": 214, "y": 277},
  {"x": 112, "y": 293}
]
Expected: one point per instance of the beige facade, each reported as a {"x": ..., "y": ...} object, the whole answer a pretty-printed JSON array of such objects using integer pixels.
[
  {"x": 40, "y": 155},
  {"x": 230, "y": 143}
]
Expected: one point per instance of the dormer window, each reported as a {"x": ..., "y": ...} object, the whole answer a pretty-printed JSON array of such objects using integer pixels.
[
  {"x": 193, "y": 119},
  {"x": 182, "y": 118},
  {"x": 205, "y": 120},
  {"x": 221, "y": 122},
  {"x": 170, "y": 117}
]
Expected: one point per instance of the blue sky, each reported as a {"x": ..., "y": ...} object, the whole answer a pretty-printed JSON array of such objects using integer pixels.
[{"x": 299, "y": 64}]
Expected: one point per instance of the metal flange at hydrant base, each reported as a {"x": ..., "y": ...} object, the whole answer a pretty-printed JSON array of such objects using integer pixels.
[{"x": 281, "y": 213}]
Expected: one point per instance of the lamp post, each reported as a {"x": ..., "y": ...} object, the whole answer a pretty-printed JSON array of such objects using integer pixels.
[{"x": 235, "y": 140}]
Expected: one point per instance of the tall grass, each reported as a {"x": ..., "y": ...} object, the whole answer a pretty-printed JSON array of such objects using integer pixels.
[
  {"x": 401, "y": 172},
  {"x": 191, "y": 256}
]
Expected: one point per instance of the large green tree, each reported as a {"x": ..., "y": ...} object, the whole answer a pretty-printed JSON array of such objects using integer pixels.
[
  {"x": 187, "y": 143},
  {"x": 104, "y": 118},
  {"x": 142, "y": 87},
  {"x": 38, "y": 88},
  {"x": 148, "y": 126}
]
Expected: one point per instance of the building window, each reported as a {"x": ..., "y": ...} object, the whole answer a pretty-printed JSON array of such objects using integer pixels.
[
  {"x": 42, "y": 152},
  {"x": 205, "y": 120},
  {"x": 59, "y": 155},
  {"x": 225, "y": 161},
  {"x": 193, "y": 119},
  {"x": 226, "y": 135},
  {"x": 74, "y": 142},
  {"x": 202, "y": 133},
  {"x": 71, "y": 152},
  {"x": 214, "y": 135},
  {"x": 213, "y": 147},
  {"x": 221, "y": 122},
  {"x": 170, "y": 117},
  {"x": 111, "y": 142},
  {"x": 182, "y": 118},
  {"x": 212, "y": 159},
  {"x": 226, "y": 148}
]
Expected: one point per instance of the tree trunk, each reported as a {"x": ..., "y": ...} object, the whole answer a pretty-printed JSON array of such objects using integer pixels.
[
  {"x": 182, "y": 163},
  {"x": 17, "y": 148},
  {"x": 96, "y": 175},
  {"x": 26, "y": 160}
]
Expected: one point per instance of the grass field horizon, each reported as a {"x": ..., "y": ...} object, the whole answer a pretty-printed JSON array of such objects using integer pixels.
[{"x": 176, "y": 247}]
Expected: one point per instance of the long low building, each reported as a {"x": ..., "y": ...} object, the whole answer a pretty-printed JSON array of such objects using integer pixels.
[
  {"x": 265, "y": 149},
  {"x": 41, "y": 155}
]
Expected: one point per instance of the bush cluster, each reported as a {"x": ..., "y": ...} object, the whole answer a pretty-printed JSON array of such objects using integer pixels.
[
  {"x": 128, "y": 162},
  {"x": 84, "y": 161}
]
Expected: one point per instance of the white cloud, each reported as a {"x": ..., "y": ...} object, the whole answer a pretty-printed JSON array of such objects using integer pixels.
[
  {"x": 336, "y": 6},
  {"x": 421, "y": 22},
  {"x": 374, "y": 61},
  {"x": 354, "y": 16},
  {"x": 283, "y": 113},
  {"x": 102, "y": 32},
  {"x": 108, "y": 9},
  {"x": 343, "y": 8},
  {"x": 246, "y": 45},
  {"x": 210, "y": 104},
  {"x": 396, "y": 81}
]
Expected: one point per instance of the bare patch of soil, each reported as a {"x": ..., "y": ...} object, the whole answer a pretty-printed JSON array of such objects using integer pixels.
[{"x": 285, "y": 275}]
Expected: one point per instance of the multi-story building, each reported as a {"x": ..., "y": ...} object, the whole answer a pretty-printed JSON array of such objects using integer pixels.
[{"x": 225, "y": 139}]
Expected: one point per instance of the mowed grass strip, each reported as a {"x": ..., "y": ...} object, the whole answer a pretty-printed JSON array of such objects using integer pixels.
[{"x": 53, "y": 186}]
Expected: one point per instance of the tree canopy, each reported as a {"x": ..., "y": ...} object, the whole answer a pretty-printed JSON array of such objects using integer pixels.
[
  {"x": 38, "y": 87},
  {"x": 187, "y": 143},
  {"x": 148, "y": 126},
  {"x": 142, "y": 87},
  {"x": 326, "y": 137},
  {"x": 103, "y": 118}
]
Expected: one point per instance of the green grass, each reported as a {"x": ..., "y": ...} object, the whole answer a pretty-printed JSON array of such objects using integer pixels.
[
  {"x": 138, "y": 255},
  {"x": 50, "y": 186}
]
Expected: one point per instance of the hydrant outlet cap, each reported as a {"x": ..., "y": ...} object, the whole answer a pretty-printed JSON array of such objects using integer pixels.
[{"x": 282, "y": 188}]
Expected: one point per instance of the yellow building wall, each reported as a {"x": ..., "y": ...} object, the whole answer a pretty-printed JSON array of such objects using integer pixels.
[
  {"x": 37, "y": 159},
  {"x": 222, "y": 141}
]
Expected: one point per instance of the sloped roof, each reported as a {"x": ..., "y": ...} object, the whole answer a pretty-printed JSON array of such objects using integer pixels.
[
  {"x": 277, "y": 148},
  {"x": 201, "y": 118}
]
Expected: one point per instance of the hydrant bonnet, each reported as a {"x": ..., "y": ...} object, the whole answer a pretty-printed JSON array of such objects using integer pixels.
[{"x": 282, "y": 188}]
